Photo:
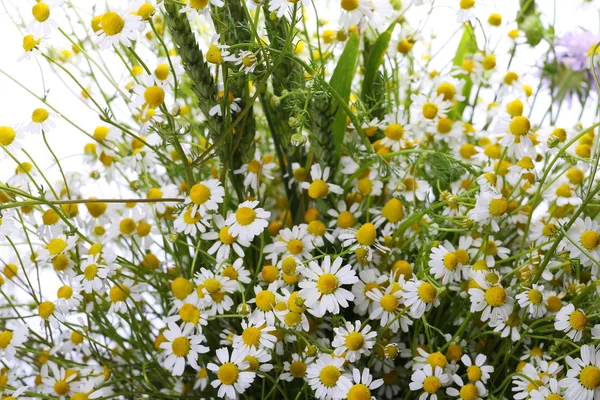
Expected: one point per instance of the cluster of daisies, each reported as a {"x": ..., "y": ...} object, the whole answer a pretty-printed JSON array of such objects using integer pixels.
[{"x": 446, "y": 247}]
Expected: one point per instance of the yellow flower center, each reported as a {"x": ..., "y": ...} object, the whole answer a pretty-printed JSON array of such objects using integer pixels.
[
  {"x": 225, "y": 237},
  {"x": 535, "y": 296},
  {"x": 145, "y": 11},
  {"x": 430, "y": 110},
  {"x": 213, "y": 55},
  {"x": 198, "y": 4},
  {"x": 56, "y": 246},
  {"x": 316, "y": 228},
  {"x": 450, "y": 261},
  {"x": 254, "y": 166},
  {"x": 5, "y": 338},
  {"x": 292, "y": 318},
  {"x": 394, "y": 131},
  {"x": 444, "y": 125},
  {"x": 359, "y": 392},
  {"x": 41, "y": 12},
  {"x": 498, "y": 206},
  {"x": 474, "y": 373},
  {"x": 251, "y": 336},
  {"x": 327, "y": 283},
  {"x": 462, "y": 256},
  {"x": 39, "y": 115},
  {"x": 495, "y": 19},
  {"x": 154, "y": 96},
  {"x": 495, "y": 296},
  {"x": 365, "y": 186},
  {"x": 230, "y": 273},
  {"x": 298, "y": 369},
  {"x": 161, "y": 72},
  {"x": 563, "y": 190},
  {"x": 253, "y": 363},
  {"x": 520, "y": 126},
  {"x": 212, "y": 285},
  {"x": 181, "y": 346},
  {"x": 555, "y": 396},
  {"x": 79, "y": 396},
  {"x": 76, "y": 337},
  {"x": 454, "y": 352},
  {"x": 127, "y": 226},
  {"x": 578, "y": 320},
  {"x": 228, "y": 373},
  {"x": 345, "y": 219},
  {"x": 318, "y": 189},
  {"x": 199, "y": 193},
  {"x": 46, "y": 309},
  {"x": 466, "y": 4},
  {"x": 510, "y": 78},
  {"x": 590, "y": 377},
  {"x": 330, "y": 375},
  {"x": 295, "y": 246},
  {"x": 7, "y": 135},
  {"x": 265, "y": 300},
  {"x": 467, "y": 150},
  {"x": 447, "y": 89},
  {"x": 437, "y": 359},
  {"x": 64, "y": 292},
  {"x": 299, "y": 174},
  {"x": 62, "y": 388},
  {"x": 431, "y": 384},
  {"x": 119, "y": 293},
  {"x": 30, "y": 43},
  {"x": 389, "y": 302},
  {"x": 404, "y": 46},
  {"x": 189, "y": 219},
  {"x": 245, "y": 216},
  {"x": 367, "y": 234},
  {"x": 427, "y": 292},
  {"x": 393, "y": 210},
  {"x": 468, "y": 392},
  {"x": 590, "y": 240},
  {"x": 90, "y": 272},
  {"x": 515, "y": 108},
  {"x": 355, "y": 341},
  {"x": 50, "y": 217},
  {"x": 112, "y": 23},
  {"x": 554, "y": 304},
  {"x": 349, "y": 5}
]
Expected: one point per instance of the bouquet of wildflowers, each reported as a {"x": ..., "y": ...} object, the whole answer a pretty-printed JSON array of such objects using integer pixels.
[{"x": 283, "y": 199}]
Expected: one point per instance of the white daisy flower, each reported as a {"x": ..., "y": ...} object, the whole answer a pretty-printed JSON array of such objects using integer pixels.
[
  {"x": 583, "y": 376},
  {"x": 362, "y": 385},
  {"x": 295, "y": 368},
  {"x": 248, "y": 221},
  {"x": 233, "y": 376},
  {"x": 60, "y": 383},
  {"x": 224, "y": 241},
  {"x": 428, "y": 380},
  {"x": 206, "y": 195},
  {"x": 94, "y": 274},
  {"x": 471, "y": 391},
  {"x": 255, "y": 335},
  {"x": 43, "y": 23},
  {"x": 257, "y": 170},
  {"x": 9, "y": 338},
  {"x": 326, "y": 377},
  {"x": 322, "y": 287},
  {"x": 180, "y": 346},
  {"x": 584, "y": 234},
  {"x": 448, "y": 264},
  {"x": 495, "y": 302},
  {"x": 192, "y": 221},
  {"x": 193, "y": 8},
  {"x": 123, "y": 295},
  {"x": 571, "y": 321},
  {"x": 281, "y": 6},
  {"x": 295, "y": 242},
  {"x": 489, "y": 209},
  {"x": 353, "y": 340},
  {"x": 41, "y": 121},
  {"x": 429, "y": 111},
  {"x": 533, "y": 300},
  {"x": 118, "y": 27},
  {"x": 354, "y": 11},
  {"x": 319, "y": 187},
  {"x": 477, "y": 371},
  {"x": 386, "y": 307},
  {"x": 421, "y": 296}
]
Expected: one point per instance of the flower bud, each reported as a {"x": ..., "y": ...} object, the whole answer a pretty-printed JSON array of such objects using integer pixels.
[{"x": 298, "y": 139}]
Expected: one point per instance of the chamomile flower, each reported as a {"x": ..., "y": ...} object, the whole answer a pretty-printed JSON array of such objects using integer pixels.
[
  {"x": 477, "y": 370},
  {"x": 282, "y": 6},
  {"x": 470, "y": 391},
  {"x": 430, "y": 110},
  {"x": 421, "y": 296},
  {"x": 248, "y": 221},
  {"x": 352, "y": 341},
  {"x": 362, "y": 385},
  {"x": 123, "y": 295},
  {"x": 322, "y": 287},
  {"x": 386, "y": 307},
  {"x": 191, "y": 220},
  {"x": 295, "y": 242},
  {"x": 466, "y": 11},
  {"x": 43, "y": 22},
  {"x": 571, "y": 321},
  {"x": 31, "y": 46},
  {"x": 429, "y": 380},
  {"x": 489, "y": 209},
  {"x": 199, "y": 7},
  {"x": 224, "y": 241},
  {"x": 42, "y": 120},
  {"x": 61, "y": 383},
  {"x": 233, "y": 376},
  {"x": 326, "y": 377},
  {"x": 181, "y": 346},
  {"x": 255, "y": 172},
  {"x": 9, "y": 338},
  {"x": 533, "y": 300},
  {"x": 584, "y": 234},
  {"x": 295, "y": 368},
  {"x": 9, "y": 140},
  {"x": 495, "y": 301},
  {"x": 255, "y": 335},
  {"x": 206, "y": 195},
  {"x": 448, "y": 263},
  {"x": 117, "y": 27},
  {"x": 320, "y": 187},
  {"x": 583, "y": 376},
  {"x": 94, "y": 274}
]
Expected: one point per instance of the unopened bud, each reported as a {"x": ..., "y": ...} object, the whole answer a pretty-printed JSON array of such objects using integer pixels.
[
  {"x": 298, "y": 139},
  {"x": 173, "y": 237},
  {"x": 391, "y": 351},
  {"x": 244, "y": 309},
  {"x": 275, "y": 101},
  {"x": 175, "y": 110},
  {"x": 311, "y": 350}
]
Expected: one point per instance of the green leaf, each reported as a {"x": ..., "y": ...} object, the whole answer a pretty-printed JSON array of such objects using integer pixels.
[
  {"x": 467, "y": 46},
  {"x": 341, "y": 83},
  {"x": 375, "y": 59}
]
